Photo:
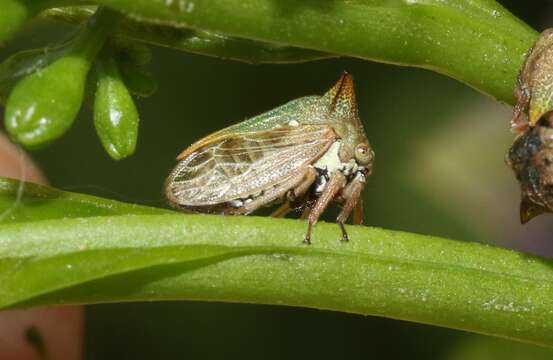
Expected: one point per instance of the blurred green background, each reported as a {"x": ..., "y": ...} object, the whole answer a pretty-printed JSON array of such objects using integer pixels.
[{"x": 439, "y": 170}]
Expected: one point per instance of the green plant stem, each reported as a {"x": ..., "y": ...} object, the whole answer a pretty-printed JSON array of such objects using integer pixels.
[
  {"x": 194, "y": 41},
  {"x": 169, "y": 257},
  {"x": 475, "y": 41},
  {"x": 220, "y": 46},
  {"x": 110, "y": 253}
]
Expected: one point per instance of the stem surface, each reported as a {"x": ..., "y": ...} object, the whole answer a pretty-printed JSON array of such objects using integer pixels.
[
  {"x": 61, "y": 248},
  {"x": 477, "y": 41}
]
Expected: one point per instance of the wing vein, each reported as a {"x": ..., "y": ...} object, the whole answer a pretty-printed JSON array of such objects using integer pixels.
[{"x": 239, "y": 165}]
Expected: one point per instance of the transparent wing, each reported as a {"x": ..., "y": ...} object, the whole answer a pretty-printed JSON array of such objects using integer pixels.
[{"x": 239, "y": 165}]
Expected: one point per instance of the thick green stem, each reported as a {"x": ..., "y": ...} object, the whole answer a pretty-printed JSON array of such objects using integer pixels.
[
  {"x": 477, "y": 42},
  {"x": 246, "y": 259},
  {"x": 60, "y": 248},
  {"x": 220, "y": 46},
  {"x": 194, "y": 41}
]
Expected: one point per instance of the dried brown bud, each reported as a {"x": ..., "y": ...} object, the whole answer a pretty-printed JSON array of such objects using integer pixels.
[
  {"x": 531, "y": 158},
  {"x": 531, "y": 155},
  {"x": 534, "y": 90}
]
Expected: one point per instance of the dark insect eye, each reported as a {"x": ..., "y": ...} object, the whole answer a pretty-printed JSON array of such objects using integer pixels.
[{"x": 362, "y": 149}]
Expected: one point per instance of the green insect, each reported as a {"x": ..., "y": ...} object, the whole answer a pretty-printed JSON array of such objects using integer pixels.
[{"x": 304, "y": 154}]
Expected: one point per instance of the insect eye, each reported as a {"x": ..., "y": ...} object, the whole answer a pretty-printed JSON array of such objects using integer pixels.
[
  {"x": 363, "y": 151},
  {"x": 363, "y": 154}
]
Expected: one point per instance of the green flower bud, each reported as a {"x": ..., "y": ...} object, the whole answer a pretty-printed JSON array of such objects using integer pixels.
[
  {"x": 115, "y": 115},
  {"x": 44, "y": 104},
  {"x": 24, "y": 63}
]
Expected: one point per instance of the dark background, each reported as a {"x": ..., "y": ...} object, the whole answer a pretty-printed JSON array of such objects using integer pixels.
[{"x": 439, "y": 170}]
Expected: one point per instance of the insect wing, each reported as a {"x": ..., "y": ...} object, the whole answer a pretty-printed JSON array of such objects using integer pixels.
[{"x": 237, "y": 166}]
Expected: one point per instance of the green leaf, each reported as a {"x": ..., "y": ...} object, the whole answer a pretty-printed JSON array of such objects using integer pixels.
[
  {"x": 477, "y": 42},
  {"x": 22, "y": 202},
  {"x": 128, "y": 256}
]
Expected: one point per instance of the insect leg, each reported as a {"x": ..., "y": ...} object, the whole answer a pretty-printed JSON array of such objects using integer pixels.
[
  {"x": 352, "y": 197},
  {"x": 358, "y": 212},
  {"x": 275, "y": 193},
  {"x": 333, "y": 187},
  {"x": 308, "y": 180},
  {"x": 282, "y": 210},
  {"x": 306, "y": 212},
  {"x": 295, "y": 193}
]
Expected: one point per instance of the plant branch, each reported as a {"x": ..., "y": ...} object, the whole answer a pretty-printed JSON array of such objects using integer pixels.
[
  {"x": 125, "y": 256},
  {"x": 477, "y": 42},
  {"x": 193, "y": 41}
]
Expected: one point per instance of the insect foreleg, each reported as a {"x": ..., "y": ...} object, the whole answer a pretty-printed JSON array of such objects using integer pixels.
[
  {"x": 358, "y": 212},
  {"x": 335, "y": 184},
  {"x": 351, "y": 195}
]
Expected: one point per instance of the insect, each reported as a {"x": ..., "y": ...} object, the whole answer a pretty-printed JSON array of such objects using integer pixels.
[
  {"x": 304, "y": 154},
  {"x": 531, "y": 155}
]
